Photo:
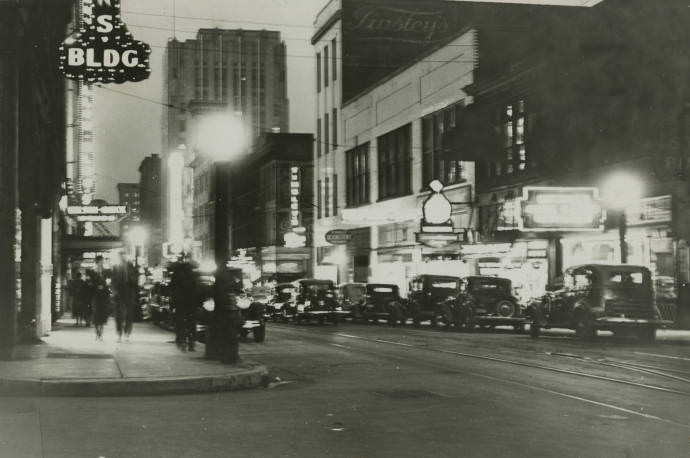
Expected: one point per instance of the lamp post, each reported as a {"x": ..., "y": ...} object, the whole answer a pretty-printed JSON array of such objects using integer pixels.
[
  {"x": 620, "y": 191},
  {"x": 221, "y": 138}
]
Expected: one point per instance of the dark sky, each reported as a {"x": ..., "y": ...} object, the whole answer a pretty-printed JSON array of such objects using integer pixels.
[{"x": 128, "y": 128}]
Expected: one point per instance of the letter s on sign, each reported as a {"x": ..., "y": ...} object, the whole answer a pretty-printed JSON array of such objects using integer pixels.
[
  {"x": 105, "y": 23},
  {"x": 128, "y": 59}
]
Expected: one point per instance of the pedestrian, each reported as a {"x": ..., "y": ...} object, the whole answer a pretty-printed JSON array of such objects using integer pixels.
[
  {"x": 100, "y": 297},
  {"x": 77, "y": 294},
  {"x": 226, "y": 314},
  {"x": 125, "y": 296},
  {"x": 185, "y": 296}
]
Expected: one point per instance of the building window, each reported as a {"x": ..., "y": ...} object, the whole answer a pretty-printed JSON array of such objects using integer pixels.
[
  {"x": 318, "y": 72},
  {"x": 334, "y": 58},
  {"x": 434, "y": 166},
  {"x": 325, "y": 134},
  {"x": 318, "y": 137},
  {"x": 513, "y": 128},
  {"x": 318, "y": 199},
  {"x": 335, "y": 127},
  {"x": 327, "y": 198},
  {"x": 335, "y": 195},
  {"x": 326, "y": 63},
  {"x": 394, "y": 157},
  {"x": 357, "y": 176}
]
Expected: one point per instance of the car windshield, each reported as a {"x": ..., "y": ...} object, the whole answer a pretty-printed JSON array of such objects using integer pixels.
[
  {"x": 444, "y": 284},
  {"x": 487, "y": 286},
  {"x": 624, "y": 279}
]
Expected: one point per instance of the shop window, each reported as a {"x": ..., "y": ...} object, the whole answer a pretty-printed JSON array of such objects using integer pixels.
[{"x": 394, "y": 162}]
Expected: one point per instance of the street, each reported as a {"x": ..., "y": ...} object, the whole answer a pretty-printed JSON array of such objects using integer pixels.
[{"x": 358, "y": 390}]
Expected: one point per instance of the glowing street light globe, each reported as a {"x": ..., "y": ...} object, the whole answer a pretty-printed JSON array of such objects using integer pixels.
[
  {"x": 436, "y": 208},
  {"x": 622, "y": 190}
]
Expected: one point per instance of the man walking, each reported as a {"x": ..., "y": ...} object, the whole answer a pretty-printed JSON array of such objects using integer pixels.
[
  {"x": 125, "y": 286},
  {"x": 186, "y": 298}
]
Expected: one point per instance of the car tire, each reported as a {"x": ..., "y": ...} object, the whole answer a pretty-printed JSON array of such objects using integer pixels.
[
  {"x": 505, "y": 308},
  {"x": 260, "y": 333},
  {"x": 584, "y": 328}
]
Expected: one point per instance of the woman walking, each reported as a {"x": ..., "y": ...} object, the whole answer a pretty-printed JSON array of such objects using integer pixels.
[{"x": 100, "y": 297}]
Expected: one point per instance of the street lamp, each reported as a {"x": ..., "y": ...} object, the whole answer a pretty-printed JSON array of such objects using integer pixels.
[
  {"x": 137, "y": 236},
  {"x": 621, "y": 191}
]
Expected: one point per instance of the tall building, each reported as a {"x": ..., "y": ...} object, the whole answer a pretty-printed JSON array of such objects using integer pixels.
[
  {"x": 241, "y": 72},
  {"x": 128, "y": 194},
  {"x": 151, "y": 207}
]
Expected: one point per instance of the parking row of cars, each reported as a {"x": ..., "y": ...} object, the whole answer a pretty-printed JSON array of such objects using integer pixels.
[{"x": 618, "y": 298}]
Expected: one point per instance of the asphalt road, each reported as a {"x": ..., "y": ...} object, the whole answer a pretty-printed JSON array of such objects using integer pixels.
[{"x": 365, "y": 391}]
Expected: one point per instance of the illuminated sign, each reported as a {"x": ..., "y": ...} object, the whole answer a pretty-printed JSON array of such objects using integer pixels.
[
  {"x": 560, "y": 209},
  {"x": 651, "y": 210},
  {"x": 103, "y": 50},
  {"x": 294, "y": 196},
  {"x": 338, "y": 237},
  {"x": 294, "y": 240},
  {"x": 93, "y": 210}
]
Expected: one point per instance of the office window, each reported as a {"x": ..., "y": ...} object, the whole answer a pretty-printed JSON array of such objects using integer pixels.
[
  {"x": 326, "y": 198},
  {"x": 326, "y": 142},
  {"x": 435, "y": 128},
  {"x": 334, "y": 58},
  {"x": 335, "y": 127},
  {"x": 357, "y": 176},
  {"x": 513, "y": 128},
  {"x": 394, "y": 161},
  {"x": 318, "y": 72},
  {"x": 335, "y": 195},
  {"x": 318, "y": 199},
  {"x": 318, "y": 137},
  {"x": 326, "y": 63}
]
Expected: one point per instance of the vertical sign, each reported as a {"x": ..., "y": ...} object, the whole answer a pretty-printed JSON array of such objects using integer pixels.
[{"x": 294, "y": 197}]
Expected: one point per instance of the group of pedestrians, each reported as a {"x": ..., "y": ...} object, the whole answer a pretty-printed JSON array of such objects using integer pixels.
[
  {"x": 185, "y": 297},
  {"x": 103, "y": 290}
]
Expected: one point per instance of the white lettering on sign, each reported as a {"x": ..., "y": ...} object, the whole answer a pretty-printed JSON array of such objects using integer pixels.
[{"x": 105, "y": 23}]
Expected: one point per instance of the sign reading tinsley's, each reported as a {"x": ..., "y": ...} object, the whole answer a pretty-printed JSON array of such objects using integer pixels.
[{"x": 102, "y": 49}]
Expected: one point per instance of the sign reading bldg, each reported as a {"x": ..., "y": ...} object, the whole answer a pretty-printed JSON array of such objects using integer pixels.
[{"x": 102, "y": 49}]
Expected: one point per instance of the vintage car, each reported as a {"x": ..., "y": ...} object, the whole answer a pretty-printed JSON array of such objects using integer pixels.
[
  {"x": 316, "y": 299},
  {"x": 487, "y": 301},
  {"x": 351, "y": 298},
  {"x": 430, "y": 298},
  {"x": 162, "y": 313},
  {"x": 619, "y": 298},
  {"x": 282, "y": 305},
  {"x": 383, "y": 301}
]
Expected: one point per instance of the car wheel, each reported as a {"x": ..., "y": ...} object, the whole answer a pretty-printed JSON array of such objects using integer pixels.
[
  {"x": 260, "y": 333},
  {"x": 584, "y": 328},
  {"x": 647, "y": 334},
  {"x": 505, "y": 308}
]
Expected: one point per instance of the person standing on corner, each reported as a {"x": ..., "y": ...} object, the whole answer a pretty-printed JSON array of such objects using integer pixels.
[
  {"x": 100, "y": 297},
  {"x": 125, "y": 288},
  {"x": 185, "y": 296},
  {"x": 226, "y": 315}
]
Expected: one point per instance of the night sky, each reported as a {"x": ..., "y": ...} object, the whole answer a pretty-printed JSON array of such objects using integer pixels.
[{"x": 129, "y": 128}]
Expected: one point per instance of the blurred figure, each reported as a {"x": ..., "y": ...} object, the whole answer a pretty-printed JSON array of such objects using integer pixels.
[
  {"x": 78, "y": 294},
  {"x": 100, "y": 296},
  {"x": 125, "y": 295},
  {"x": 185, "y": 297},
  {"x": 225, "y": 322}
]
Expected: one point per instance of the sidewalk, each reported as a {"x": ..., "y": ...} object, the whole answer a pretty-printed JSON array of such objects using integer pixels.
[{"x": 70, "y": 362}]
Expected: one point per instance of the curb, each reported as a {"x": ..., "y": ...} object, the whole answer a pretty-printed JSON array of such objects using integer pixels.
[{"x": 244, "y": 376}]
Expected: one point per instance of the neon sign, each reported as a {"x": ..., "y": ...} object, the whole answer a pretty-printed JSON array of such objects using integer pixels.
[
  {"x": 103, "y": 50},
  {"x": 561, "y": 209}
]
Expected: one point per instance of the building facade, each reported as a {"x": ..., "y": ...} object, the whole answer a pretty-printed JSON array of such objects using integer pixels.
[
  {"x": 271, "y": 195},
  {"x": 128, "y": 194},
  {"x": 151, "y": 207}
]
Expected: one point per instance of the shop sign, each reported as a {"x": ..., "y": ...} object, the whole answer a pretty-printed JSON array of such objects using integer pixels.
[
  {"x": 338, "y": 237},
  {"x": 75, "y": 210},
  {"x": 294, "y": 196},
  {"x": 561, "y": 209},
  {"x": 485, "y": 249},
  {"x": 102, "y": 49},
  {"x": 437, "y": 240}
]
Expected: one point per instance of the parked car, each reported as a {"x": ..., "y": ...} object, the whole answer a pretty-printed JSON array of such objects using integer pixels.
[
  {"x": 430, "y": 298},
  {"x": 383, "y": 301},
  {"x": 487, "y": 301},
  {"x": 619, "y": 298},
  {"x": 351, "y": 298},
  {"x": 159, "y": 306},
  {"x": 316, "y": 299},
  {"x": 282, "y": 305}
]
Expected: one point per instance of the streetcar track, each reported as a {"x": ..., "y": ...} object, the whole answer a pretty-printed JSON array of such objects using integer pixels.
[{"x": 511, "y": 362}]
